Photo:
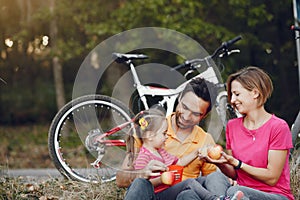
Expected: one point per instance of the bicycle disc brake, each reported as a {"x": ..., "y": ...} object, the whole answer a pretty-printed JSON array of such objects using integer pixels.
[{"x": 95, "y": 146}]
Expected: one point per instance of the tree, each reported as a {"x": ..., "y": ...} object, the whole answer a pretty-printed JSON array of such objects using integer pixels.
[{"x": 57, "y": 67}]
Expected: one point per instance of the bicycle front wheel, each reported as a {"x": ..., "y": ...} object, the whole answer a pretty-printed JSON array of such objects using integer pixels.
[{"x": 71, "y": 128}]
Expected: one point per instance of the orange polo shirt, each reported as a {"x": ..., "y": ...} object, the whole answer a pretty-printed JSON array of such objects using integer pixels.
[{"x": 197, "y": 139}]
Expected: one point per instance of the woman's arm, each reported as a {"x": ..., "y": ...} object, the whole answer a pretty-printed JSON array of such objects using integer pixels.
[{"x": 269, "y": 175}]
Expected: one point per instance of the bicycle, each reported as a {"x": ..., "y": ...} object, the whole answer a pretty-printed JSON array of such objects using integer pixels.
[
  {"x": 295, "y": 129},
  {"x": 95, "y": 126}
]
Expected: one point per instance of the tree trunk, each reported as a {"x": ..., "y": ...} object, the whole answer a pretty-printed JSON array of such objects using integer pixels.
[{"x": 57, "y": 67}]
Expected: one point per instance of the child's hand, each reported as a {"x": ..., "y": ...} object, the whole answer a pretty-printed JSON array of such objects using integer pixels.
[
  {"x": 154, "y": 168},
  {"x": 167, "y": 178}
]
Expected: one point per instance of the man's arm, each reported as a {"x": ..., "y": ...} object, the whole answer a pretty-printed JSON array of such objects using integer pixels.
[
  {"x": 185, "y": 160},
  {"x": 127, "y": 174}
]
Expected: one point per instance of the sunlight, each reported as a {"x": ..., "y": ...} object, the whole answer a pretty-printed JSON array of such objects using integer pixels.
[
  {"x": 9, "y": 42},
  {"x": 45, "y": 40}
]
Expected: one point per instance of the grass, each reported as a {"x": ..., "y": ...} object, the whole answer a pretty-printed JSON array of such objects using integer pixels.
[
  {"x": 55, "y": 189},
  {"x": 26, "y": 147}
]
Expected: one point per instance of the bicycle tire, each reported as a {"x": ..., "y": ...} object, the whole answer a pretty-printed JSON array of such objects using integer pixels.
[
  {"x": 69, "y": 130},
  {"x": 296, "y": 130}
]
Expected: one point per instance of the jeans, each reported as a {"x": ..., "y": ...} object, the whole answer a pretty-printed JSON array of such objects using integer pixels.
[
  {"x": 253, "y": 194},
  {"x": 140, "y": 189},
  {"x": 218, "y": 183},
  {"x": 143, "y": 189}
]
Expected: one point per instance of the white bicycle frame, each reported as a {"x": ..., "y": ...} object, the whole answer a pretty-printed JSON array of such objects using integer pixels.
[{"x": 169, "y": 95}]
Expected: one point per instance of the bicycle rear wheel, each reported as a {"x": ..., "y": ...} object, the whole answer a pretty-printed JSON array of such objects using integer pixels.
[{"x": 70, "y": 128}]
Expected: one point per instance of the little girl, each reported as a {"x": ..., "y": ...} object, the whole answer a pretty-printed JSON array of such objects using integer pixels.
[{"x": 151, "y": 126}]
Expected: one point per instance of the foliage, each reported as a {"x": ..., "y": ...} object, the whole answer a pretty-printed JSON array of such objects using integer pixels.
[{"x": 264, "y": 25}]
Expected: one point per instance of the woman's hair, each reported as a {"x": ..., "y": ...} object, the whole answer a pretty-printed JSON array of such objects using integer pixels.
[
  {"x": 252, "y": 78},
  {"x": 147, "y": 120}
]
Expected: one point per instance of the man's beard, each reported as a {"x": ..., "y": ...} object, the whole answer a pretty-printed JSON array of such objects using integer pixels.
[{"x": 179, "y": 124}]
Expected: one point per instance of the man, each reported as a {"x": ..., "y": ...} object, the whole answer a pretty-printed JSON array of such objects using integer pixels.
[{"x": 184, "y": 136}]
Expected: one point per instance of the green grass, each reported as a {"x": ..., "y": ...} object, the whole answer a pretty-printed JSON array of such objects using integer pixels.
[{"x": 24, "y": 147}]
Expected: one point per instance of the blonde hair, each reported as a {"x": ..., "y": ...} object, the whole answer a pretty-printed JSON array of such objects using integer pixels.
[{"x": 252, "y": 78}]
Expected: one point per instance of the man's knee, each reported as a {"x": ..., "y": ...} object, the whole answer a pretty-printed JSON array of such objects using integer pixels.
[
  {"x": 217, "y": 183},
  {"x": 187, "y": 194},
  {"x": 216, "y": 175}
]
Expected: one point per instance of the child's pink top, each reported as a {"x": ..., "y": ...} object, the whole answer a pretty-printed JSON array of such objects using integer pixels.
[
  {"x": 252, "y": 147},
  {"x": 145, "y": 156}
]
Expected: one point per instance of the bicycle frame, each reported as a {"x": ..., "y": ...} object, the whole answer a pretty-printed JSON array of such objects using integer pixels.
[{"x": 169, "y": 95}]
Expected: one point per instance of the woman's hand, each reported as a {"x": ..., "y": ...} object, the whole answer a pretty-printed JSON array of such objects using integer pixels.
[{"x": 230, "y": 159}]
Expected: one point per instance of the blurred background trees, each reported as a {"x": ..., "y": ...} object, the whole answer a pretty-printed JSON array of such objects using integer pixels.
[{"x": 43, "y": 44}]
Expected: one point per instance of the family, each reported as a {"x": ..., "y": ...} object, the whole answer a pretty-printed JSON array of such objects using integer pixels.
[{"x": 254, "y": 166}]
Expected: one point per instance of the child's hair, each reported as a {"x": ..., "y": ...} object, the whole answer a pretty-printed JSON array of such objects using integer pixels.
[
  {"x": 147, "y": 120},
  {"x": 252, "y": 78}
]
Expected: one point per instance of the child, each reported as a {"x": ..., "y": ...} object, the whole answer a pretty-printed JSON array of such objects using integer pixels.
[{"x": 151, "y": 127}]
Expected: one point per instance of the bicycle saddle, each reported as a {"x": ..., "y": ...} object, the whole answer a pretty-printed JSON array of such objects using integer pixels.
[{"x": 120, "y": 57}]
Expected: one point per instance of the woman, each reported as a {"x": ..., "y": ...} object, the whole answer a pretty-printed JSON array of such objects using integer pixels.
[{"x": 257, "y": 143}]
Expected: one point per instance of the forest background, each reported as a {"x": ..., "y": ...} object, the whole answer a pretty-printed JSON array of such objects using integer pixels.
[{"x": 43, "y": 44}]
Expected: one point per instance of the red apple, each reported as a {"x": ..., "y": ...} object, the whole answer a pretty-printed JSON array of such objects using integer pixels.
[
  {"x": 167, "y": 178},
  {"x": 214, "y": 152}
]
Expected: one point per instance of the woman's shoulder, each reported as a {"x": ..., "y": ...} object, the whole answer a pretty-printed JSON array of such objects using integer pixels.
[
  {"x": 235, "y": 121},
  {"x": 277, "y": 121}
]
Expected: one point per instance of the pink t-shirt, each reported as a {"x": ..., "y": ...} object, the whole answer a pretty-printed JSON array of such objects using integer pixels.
[
  {"x": 145, "y": 156},
  {"x": 252, "y": 146}
]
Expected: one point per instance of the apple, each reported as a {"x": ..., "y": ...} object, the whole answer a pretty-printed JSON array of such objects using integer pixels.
[
  {"x": 167, "y": 177},
  {"x": 214, "y": 152}
]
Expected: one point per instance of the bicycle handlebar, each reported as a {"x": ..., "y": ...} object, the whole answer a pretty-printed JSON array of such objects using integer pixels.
[{"x": 221, "y": 49}]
